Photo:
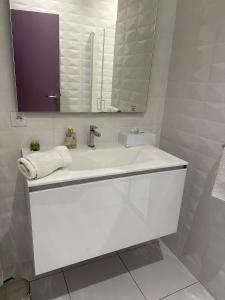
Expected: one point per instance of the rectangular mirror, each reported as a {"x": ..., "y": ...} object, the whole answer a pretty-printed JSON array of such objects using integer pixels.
[{"x": 83, "y": 55}]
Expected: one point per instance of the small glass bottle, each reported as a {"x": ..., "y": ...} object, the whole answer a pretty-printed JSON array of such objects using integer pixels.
[
  {"x": 70, "y": 140},
  {"x": 34, "y": 145}
]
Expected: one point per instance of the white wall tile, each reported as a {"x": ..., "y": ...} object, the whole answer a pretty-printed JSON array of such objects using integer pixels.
[{"x": 194, "y": 129}]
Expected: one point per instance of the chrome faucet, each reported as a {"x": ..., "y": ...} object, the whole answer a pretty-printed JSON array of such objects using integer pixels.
[{"x": 91, "y": 136}]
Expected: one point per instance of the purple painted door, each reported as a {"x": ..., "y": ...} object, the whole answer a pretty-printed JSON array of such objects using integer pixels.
[{"x": 36, "y": 56}]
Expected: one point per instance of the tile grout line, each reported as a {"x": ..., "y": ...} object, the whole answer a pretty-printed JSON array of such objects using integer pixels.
[
  {"x": 131, "y": 275},
  {"x": 179, "y": 290},
  {"x": 66, "y": 285}
]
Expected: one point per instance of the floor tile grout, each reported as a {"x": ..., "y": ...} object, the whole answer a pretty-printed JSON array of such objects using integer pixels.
[
  {"x": 131, "y": 276},
  {"x": 118, "y": 253},
  {"x": 66, "y": 284},
  {"x": 184, "y": 288}
]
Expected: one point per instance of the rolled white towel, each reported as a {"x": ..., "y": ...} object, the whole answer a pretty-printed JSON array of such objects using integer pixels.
[
  {"x": 219, "y": 185},
  {"x": 41, "y": 164}
]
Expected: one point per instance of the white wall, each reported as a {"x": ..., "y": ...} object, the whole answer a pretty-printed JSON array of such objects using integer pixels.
[
  {"x": 194, "y": 129},
  {"x": 49, "y": 128}
]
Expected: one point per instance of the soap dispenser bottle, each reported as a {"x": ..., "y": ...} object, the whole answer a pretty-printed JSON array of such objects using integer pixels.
[{"x": 70, "y": 139}]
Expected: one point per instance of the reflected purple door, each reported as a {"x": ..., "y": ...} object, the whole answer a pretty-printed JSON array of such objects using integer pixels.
[{"x": 36, "y": 56}]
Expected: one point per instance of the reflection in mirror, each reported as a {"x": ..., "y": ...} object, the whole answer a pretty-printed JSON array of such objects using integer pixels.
[{"x": 83, "y": 55}]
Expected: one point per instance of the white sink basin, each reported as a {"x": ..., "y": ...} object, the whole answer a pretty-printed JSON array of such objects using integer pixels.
[{"x": 109, "y": 160}]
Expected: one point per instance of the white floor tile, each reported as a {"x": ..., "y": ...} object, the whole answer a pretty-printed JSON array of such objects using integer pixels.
[
  {"x": 156, "y": 270},
  {"x": 106, "y": 279},
  {"x": 50, "y": 288},
  {"x": 194, "y": 292}
]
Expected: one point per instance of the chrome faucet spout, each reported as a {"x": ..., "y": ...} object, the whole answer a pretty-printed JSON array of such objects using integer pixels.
[
  {"x": 92, "y": 133},
  {"x": 96, "y": 133}
]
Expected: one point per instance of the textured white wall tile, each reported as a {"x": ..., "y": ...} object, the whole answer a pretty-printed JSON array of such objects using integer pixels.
[{"x": 194, "y": 129}]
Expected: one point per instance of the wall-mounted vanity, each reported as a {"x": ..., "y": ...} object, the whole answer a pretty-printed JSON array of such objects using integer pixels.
[
  {"x": 83, "y": 56},
  {"x": 109, "y": 199}
]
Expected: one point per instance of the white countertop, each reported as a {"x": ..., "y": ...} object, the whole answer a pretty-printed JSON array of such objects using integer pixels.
[{"x": 111, "y": 160}]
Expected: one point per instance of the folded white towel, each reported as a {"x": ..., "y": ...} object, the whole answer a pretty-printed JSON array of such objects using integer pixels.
[
  {"x": 40, "y": 164},
  {"x": 219, "y": 186}
]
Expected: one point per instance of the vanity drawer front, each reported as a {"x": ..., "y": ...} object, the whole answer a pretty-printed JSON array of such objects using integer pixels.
[{"x": 74, "y": 223}]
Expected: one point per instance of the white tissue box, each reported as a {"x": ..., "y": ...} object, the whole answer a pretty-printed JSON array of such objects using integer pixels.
[{"x": 128, "y": 139}]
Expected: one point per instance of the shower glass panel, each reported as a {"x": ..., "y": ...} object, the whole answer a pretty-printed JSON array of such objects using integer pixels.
[{"x": 102, "y": 69}]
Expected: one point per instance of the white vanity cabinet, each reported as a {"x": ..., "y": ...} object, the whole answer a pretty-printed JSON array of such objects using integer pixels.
[{"x": 80, "y": 221}]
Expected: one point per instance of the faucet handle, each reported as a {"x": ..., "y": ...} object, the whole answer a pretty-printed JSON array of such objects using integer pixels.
[{"x": 93, "y": 127}]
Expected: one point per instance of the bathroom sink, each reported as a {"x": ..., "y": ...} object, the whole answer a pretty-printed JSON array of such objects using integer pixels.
[{"x": 108, "y": 160}]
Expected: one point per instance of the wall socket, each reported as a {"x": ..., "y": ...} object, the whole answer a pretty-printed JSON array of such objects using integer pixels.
[{"x": 18, "y": 119}]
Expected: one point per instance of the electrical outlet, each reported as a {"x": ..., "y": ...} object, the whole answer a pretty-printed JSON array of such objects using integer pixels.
[{"x": 18, "y": 119}]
